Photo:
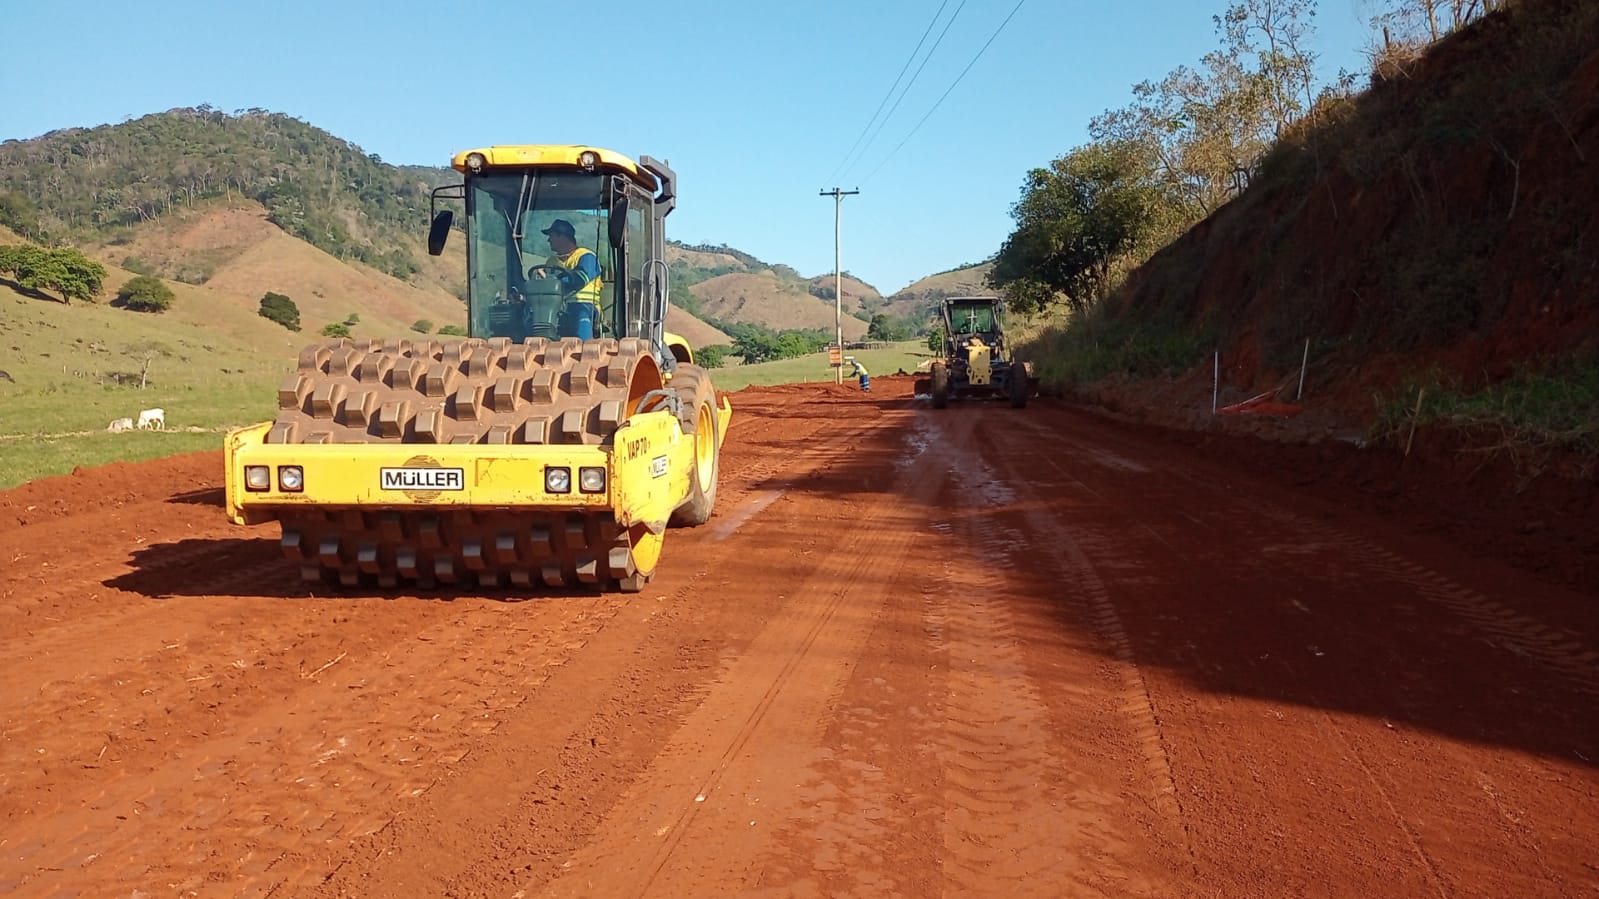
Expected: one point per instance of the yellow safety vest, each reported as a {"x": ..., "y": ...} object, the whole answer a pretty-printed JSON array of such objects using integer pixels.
[{"x": 588, "y": 293}]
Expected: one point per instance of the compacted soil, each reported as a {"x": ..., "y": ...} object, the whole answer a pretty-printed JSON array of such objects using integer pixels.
[{"x": 965, "y": 652}]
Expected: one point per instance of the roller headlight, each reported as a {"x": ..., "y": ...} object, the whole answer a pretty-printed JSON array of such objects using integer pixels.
[
  {"x": 591, "y": 480},
  {"x": 588, "y": 159},
  {"x": 291, "y": 478},
  {"x": 558, "y": 480},
  {"x": 476, "y": 161},
  {"x": 257, "y": 478}
]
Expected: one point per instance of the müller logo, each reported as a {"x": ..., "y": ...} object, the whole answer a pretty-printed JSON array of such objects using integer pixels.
[{"x": 422, "y": 478}]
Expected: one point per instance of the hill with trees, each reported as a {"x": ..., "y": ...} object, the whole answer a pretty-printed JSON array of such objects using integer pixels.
[
  {"x": 256, "y": 204},
  {"x": 1419, "y": 248},
  {"x": 88, "y": 185}
]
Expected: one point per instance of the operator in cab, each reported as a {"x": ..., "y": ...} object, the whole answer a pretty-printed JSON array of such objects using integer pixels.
[{"x": 577, "y": 269}]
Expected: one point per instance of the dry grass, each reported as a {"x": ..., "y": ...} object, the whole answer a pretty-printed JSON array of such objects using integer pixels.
[{"x": 763, "y": 298}]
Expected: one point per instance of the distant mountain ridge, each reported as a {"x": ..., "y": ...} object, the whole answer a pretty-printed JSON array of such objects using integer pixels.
[{"x": 123, "y": 190}]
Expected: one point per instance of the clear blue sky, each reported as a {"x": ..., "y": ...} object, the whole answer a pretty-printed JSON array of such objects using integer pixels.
[{"x": 755, "y": 104}]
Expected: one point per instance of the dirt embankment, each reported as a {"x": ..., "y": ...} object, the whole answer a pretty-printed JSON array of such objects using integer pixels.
[{"x": 1431, "y": 231}]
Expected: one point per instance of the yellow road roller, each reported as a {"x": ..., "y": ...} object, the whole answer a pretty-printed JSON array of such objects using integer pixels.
[{"x": 549, "y": 448}]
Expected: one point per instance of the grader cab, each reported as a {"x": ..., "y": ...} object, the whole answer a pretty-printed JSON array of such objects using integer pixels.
[{"x": 551, "y": 447}]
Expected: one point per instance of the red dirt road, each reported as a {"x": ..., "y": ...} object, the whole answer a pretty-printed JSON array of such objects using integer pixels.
[{"x": 971, "y": 652}]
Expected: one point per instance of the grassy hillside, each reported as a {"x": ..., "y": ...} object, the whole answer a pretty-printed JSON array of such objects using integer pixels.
[
  {"x": 860, "y": 298},
  {"x": 918, "y": 302},
  {"x": 765, "y": 298},
  {"x": 1433, "y": 231},
  {"x": 242, "y": 255},
  {"x": 314, "y": 186},
  {"x": 74, "y": 369},
  {"x": 697, "y": 333},
  {"x": 225, "y": 208},
  {"x": 723, "y": 284}
]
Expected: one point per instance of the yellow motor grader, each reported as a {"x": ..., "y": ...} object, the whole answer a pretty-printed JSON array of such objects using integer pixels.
[
  {"x": 550, "y": 447},
  {"x": 977, "y": 360}
]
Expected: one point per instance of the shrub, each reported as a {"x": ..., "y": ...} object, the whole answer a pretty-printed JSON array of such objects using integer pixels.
[
  {"x": 335, "y": 329},
  {"x": 279, "y": 308},
  {"x": 138, "y": 266},
  {"x": 422, "y": 326},
  {"x": 145, "y": 294},
  {"x": 712, "y": 356},
  {"x": 452, "y": 331}
]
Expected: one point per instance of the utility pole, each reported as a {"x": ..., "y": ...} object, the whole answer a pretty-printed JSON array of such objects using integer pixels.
[{"x": 838, "y": 271}]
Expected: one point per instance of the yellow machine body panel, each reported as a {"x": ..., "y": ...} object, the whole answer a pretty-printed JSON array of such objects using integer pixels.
[
  {"x": 521, "y": 155},
  {"x": 647, "y": 473},
  {"x": 979, "y": 369}
]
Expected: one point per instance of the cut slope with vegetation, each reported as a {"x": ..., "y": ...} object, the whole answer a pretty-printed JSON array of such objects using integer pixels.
[{"x": 1432, "y": 230}]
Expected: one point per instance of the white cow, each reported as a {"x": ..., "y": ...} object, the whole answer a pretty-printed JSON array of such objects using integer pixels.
[
  {"x": 154, "y": 419},
  {"x": 119, "y": 425}
]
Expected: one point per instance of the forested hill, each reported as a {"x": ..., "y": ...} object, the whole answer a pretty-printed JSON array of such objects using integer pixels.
[
  {"x": 103, "y": 187},
  {"x": 89, "y": 184}
]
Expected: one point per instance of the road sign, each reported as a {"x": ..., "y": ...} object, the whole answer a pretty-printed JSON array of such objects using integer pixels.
[{"x": 835, "y": 355}]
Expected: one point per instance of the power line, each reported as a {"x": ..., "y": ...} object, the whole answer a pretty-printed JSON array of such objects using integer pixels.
[
  {"x": 884, "y": 102},
  {"x": 917, "y": 74},
  {"x": 946, "y": 93}
]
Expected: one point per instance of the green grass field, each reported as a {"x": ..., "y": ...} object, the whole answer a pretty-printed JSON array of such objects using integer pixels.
[
  {"x": 61, "y": 396},
  {"x": 802, "y": 369}
]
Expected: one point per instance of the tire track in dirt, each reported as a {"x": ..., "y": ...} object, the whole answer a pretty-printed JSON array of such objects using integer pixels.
[
  {"x": 1556, "y": 650},
  {"x": 536, "y": 752},
  {"x": 79, "y": 617},
  {"x": 322, "y": 748},
  {"x": 370, "y": 771},
  {"x": 1078, "y": 552},
  {"x": 678, "y": 819}
]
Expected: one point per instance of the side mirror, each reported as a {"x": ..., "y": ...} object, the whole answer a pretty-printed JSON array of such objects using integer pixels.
[
  {"x": 618, "y": 222},
  {"x": 440, "y": 231}
]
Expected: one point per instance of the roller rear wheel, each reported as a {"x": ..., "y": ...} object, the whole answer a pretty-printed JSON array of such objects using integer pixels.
[{"x": 698, "y": 413}]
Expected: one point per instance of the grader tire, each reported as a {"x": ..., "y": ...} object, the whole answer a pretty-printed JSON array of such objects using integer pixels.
[
  {"x": 940, "y": 377},
  {"x": 471, "y": 391},
  {"x": 698, "y": 416},
  {"x": 1018, "y": 386}
]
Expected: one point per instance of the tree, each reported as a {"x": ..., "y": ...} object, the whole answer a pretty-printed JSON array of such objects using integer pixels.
[
  {"x": 1273, "y": 36},
  {"x": 279, "y": 308},
  {"x": 879, "y": 328},
  {"x": 712, "y": 356},
  {"x": 1077, "y": 221},
  {"x": 335, "y": 329},
  {"x": 18, "y": 213},
  {"x": 64, "y": 270},
  {"x": 143, "y": 293},
  {"x": 145, "y": 352},
  {"x": 1197, "y": 128},
  {"x": 1203, "y": 126},
  {"x": 755, "y": 347},
  {"x": 1424, "y": 20}
]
